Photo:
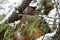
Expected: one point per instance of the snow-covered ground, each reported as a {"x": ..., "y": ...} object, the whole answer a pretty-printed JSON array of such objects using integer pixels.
[
  {"x": 52, "y": 15},
  {"x": 7, "y": 7},
  {"x": 47, "y": 36}
]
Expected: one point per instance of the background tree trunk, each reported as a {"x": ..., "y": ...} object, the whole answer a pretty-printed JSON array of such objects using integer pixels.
[{"x": 13, "y": 15}]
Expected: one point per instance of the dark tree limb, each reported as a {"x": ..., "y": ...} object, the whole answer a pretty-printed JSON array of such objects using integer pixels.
[
  {"x": 13, "y": 15},
  {"x": 24, "y": 4}
]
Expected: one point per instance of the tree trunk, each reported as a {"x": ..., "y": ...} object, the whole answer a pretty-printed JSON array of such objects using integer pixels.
[{"x": 13, "y": 15}]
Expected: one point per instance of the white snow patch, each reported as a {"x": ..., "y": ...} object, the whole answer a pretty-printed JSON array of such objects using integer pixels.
[
  {"x": 33, "y": 4},
  {"x": 47, "y": 36},
  {"x": 15, "y": 23},
  {"x": 6, "y": 6},
  {"x": 52, "y": 14}
]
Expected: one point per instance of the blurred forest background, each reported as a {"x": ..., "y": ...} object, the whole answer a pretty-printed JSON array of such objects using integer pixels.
[{"x": 29, "y": 20}]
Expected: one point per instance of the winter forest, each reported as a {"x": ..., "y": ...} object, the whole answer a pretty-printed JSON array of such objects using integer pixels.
[{"x": 29, "y": 19}]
